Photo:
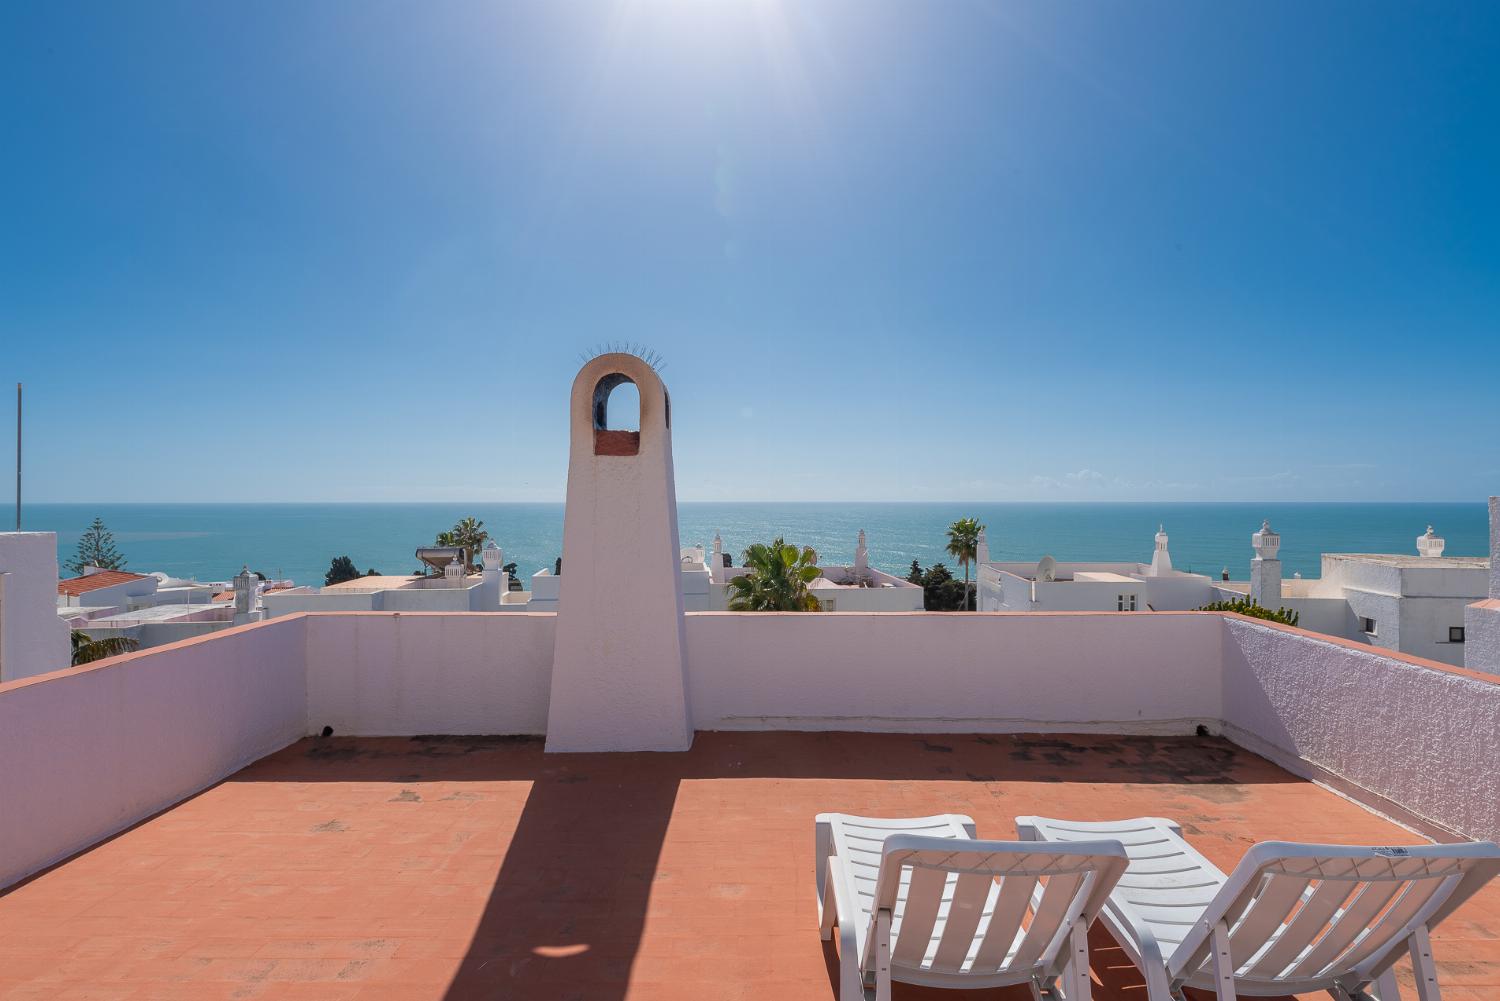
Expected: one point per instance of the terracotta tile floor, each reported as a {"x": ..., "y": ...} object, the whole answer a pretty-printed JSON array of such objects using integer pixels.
[{"x": 479, "y": 868}]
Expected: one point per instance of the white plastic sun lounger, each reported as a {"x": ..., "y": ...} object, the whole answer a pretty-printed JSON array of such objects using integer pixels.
[
  {"x": 921, "y": 901},
  {"x": 1291, "y": 918}
]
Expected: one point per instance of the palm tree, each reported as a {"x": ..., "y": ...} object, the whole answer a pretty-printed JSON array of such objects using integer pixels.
[
  {"x": 469, "y": 535},
  {"x": 777, "y": 581},
  {"x": 963, "y": 545},
  {"x": 86, "y": 649}
]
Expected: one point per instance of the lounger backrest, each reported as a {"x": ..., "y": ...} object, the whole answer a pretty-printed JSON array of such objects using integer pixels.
[
  {"x": 966, "y": 907},
  {"x": 1300, "y": 914}
]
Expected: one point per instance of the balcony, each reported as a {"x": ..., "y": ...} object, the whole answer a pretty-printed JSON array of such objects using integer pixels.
[{"x": 175, "y": 827}]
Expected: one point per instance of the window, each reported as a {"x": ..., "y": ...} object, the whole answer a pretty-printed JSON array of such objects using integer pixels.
[
  {"x": 1367, "y": 625},
  {"x": 1455, "y": 634},
  {"x": 1125, "y": 603}
]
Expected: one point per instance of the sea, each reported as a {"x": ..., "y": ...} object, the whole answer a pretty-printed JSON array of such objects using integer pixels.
[{"x": 297, "y": 541}]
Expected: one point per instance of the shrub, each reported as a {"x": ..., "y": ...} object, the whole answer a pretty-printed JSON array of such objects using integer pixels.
[{"x": 1248, "y": 606}]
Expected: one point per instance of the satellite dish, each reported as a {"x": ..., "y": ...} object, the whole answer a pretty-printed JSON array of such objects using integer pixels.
[{"x": 1046, "y": 570}]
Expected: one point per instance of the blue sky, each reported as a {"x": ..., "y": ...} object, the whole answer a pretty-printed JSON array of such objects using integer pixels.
[{"x": 352, "y": 251}]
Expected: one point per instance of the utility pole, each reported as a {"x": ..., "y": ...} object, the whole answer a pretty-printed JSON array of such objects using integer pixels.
[{"x": 18, "y": 456}]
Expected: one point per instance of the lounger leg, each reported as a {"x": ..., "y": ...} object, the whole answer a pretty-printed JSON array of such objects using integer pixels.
[
  {"x": 1422, "y": 966},
  {"x": 1080, "y": 987},
  {"x": 1223, "y": 963},
  {"x": 835, "y": 908},
  {"x": 882, "y": 955},
  {"x": 1386, "y": 988}
]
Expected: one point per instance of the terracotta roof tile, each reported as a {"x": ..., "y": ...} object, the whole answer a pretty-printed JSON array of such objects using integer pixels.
[{"x": 75, "y": 586}]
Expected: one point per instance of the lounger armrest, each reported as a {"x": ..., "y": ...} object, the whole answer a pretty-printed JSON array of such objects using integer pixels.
[
  {"x": 1034, "y": 828},
  {"x": 823, "y": 847}
]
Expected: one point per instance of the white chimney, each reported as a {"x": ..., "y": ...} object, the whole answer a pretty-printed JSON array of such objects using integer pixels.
[
  {"x": 453, "y": 573},
  {"x": 1429, "y": 546},
  {"x": 245, "y": 586},
  {"x": 1265, "y": 568},
  {"x": 1161, "y": 560}
]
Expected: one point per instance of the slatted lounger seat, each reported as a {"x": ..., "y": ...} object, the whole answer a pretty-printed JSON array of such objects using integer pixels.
[
  {"x": 1291, "y": 918},
  {"x": 921, "y": 901}
]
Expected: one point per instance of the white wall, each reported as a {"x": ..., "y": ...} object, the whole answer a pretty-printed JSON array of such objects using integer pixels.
[
  {"x": 1331, "y": 616},
  {"x": 1425, "y": 739},
  {"x": 381, "y": 674},
  {"x": 33, "y": 640},
  {"x": 1482, "y": 636},
  {"x": 306, "y": 599},
  {"x": 138, "y": 593},
  {"x": 88, "y": 751},
  {"x": 962, "y": 672},
  {"x": 1482, "y": 619},
  {"x": 428, "y": 596}
]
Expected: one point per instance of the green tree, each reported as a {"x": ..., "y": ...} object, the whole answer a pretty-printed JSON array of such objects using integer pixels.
[
  {"x": 941, "y": 592},
  {"x": 963, "y": 545},
  {"x": 341, "y": 569},
  {"x": 777, "y": 581},
  {"x": 86, "y": 649},
  {"x": 915, "y": 576},
  {"x": 96, "y": 548},
  {"x": 469, "y": 535}
]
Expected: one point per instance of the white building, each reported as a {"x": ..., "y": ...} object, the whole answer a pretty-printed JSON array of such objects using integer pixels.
[
  {"x": 857, "y": 587},
  {"x": 156, "y": 609},
  {"x": 1482, "y": 619},
  {"x": 454, "y": 591},
  {"x": 1414, "y": 604},
  {"x": 1049, "y": 586},
  {"x": 704, "y": 581},
  {"x": 32, "y": 639},
  {"x": 107, "y": 589}
]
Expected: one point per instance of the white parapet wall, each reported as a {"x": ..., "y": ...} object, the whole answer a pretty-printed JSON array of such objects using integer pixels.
[
  {"x": 1420, "y": 738},
  {"x": 957, "y": 672},
  {"x": 377, "y": 673},
  {"x": 88, "y": 751}
]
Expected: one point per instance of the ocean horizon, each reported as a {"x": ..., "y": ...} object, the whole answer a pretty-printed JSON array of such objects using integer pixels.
[{"x": 298, "y": 540}]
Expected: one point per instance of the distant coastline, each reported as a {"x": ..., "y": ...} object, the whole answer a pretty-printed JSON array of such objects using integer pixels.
[{"x": 297, "y": 540}]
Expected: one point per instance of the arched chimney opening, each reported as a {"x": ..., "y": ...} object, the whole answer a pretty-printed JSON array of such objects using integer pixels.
[{"x": 624, "y": 438}]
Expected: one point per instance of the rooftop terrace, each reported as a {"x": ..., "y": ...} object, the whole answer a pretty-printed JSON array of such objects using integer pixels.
[
  {"x": 170, "y": 827},
  {"x": 456, "y": 868}
]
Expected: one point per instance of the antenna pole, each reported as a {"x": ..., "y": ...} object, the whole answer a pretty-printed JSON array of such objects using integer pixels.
[{"x": 18, "y": 456}]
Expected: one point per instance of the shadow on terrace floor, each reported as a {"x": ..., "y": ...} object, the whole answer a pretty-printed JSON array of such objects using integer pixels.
[{"x": 690, "y": 875}]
